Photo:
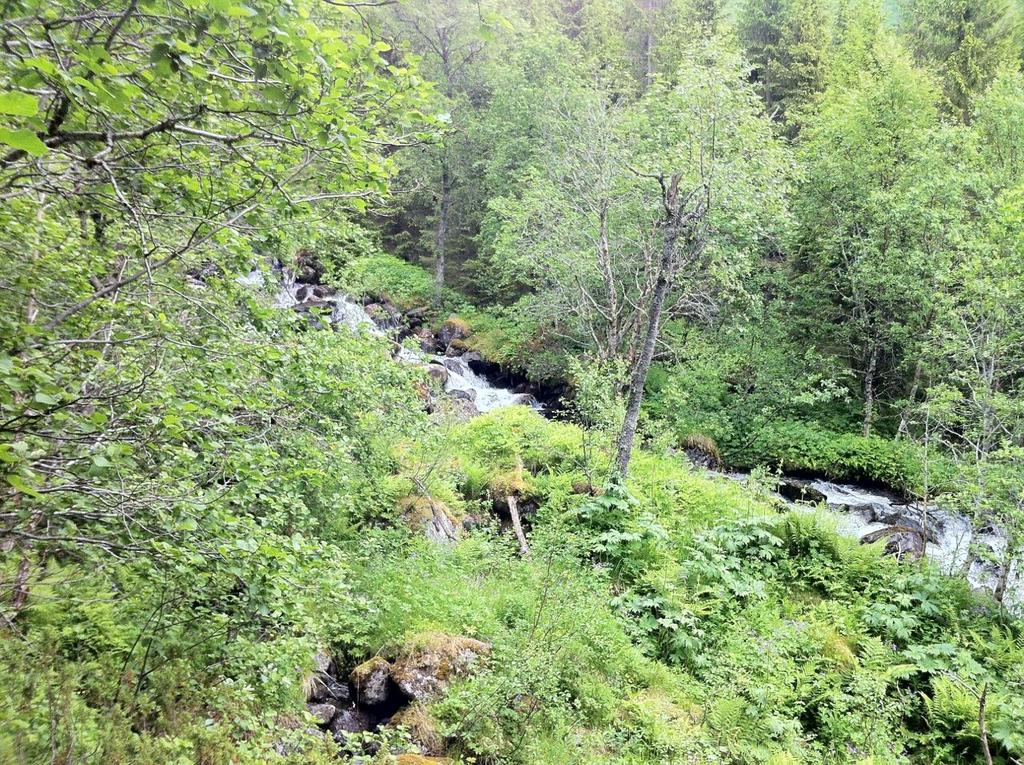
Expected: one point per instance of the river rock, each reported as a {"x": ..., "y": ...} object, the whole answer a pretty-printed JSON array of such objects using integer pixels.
[
  {"x": 322, "y": 713},
  {"x": 308, "y": 268},
  {"x": 430, "y": 662},
  {"x": 438, "y": 372},
  {"x": 901, "y": 541},
  {"x": 796, "y": 490},
  {"x": 427, "y": 339},
  {"x": 370, "y": 680},
  {"x": 384, "y": 315},
  {"x": 526, "y": 399},
  {"x": 453, "y": 332},
  {"x": 465, "y": 395}
]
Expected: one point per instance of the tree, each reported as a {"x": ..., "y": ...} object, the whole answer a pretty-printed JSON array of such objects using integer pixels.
[
  {"x": 787, "y": 41},
  {"x": 967, "y": 41},
  {"x": 874, "y": 210}
]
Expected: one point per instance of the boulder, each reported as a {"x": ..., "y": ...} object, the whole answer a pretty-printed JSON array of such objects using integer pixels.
[
  {"x": 308, "y": 268},
  {"x": 322, "y": 661},
  {"x": 427, "y": 665},
  {"x": 349, "y": 720},
  {"x": 901, "y": 541},
  {"x": 327, "y": 688},
  {"x": 323, "y": 291},
  {"x": 438, "y": 372},
  {"x": 421, "y": 726},
  {"x": 702, "y": 451},
  {"x": 427, "y": 339},
  {"x": 384, "y": 315},
  {"x": 322, "y": 713},
  {"x": 431, "y": 517},
  {"x": 526, "y": 399},
  {"x": 796, "y": 490},
  {"x": 370, "y": 680},
  {"x": 420, "y": 759},
  {"x": 453, "y": 333},
  {"x": 464, "y": 395}
]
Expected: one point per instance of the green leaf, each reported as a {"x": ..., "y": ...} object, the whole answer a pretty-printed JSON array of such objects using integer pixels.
[
  {"x": 21, "y": 485},
  {"x": 20, "y": 104},
  {"x": 23, "y": 139}
]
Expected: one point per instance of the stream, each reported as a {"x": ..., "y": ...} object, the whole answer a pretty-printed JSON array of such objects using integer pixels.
[
  {"x": 949, "y": 539},
  {"x": 945, "y": 537}
]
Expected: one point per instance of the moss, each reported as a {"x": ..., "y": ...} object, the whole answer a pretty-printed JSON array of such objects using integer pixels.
[
  {"x": 419, "y": 759},
  {"x": 363, "y": 672},
  {"x": 418, "y": 511},
  {"x": 422, "y": 727}
]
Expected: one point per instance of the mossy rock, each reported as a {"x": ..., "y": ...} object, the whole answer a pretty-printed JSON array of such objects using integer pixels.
[
  {"x": 371, "y": 680},
  {"x": 419, "y": 759},
  {"x": 431, "y": 517},
  {"x": 427, "y": 663},
  {"x": 422, "y": 727}
]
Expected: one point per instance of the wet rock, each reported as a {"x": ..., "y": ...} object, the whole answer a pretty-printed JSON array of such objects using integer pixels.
[
  {"x": 430, "y": 662},
  {"x": 322, "y": 661},
  {"x": 454, "y": 365},
  {"x": 347, "y": 721},
  {"x": 427, "y": 339},
  {"x": 370, "y": 680},
  {"x": 465, "y": 395},
  {"x": 322, "y": 713},
  {"x": 308, "y": 268},
  {"x": 438, "y": 372},
  {"x": 323, "y": 291},
  {"x": 384, "y": 315},
  {"x": 453, "y": 332},
  {"x": 796, "y": 490},
  {"x": 526, "y": 399},
  {"x": 471, "y": 357},
  {"x": 702, "y": 452},
  {"x": 901, "y": 541}
]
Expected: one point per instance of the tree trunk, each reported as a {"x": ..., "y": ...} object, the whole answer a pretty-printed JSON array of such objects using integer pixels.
[
  {"x": 904, "y": 428},
  {"x": 869, "y": 390},
  {"x": 517, "y": 525},
  {"x": 442, "y": 230},
  {"x": 643, "y": 364},
  {"x": 982, "y": 728}
]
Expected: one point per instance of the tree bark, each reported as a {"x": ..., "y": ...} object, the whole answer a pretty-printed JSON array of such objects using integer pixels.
[
  {"x": 643, "y": 363},
  {"x": 982, "y": 728},
  {"x": 517, "y": 525},
  {"x": 869, "y": 389},
  {"x": 442, "y": 230}
]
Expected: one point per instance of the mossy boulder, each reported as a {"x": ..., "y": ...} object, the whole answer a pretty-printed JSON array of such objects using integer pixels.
[
  {"x": 453, "y": 333},
  {"x": 428, "y": 663},
  {"x": 371, "y": 680},
  {"x": 431, "y": 517}
]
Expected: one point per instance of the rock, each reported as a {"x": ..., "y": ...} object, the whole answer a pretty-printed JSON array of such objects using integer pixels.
[
  {"x": 322, "y": 661},
  {"x": 526, "y": 399},
  {"x": 349, "y": 720},
  {"x": 431, "y": 517},
  {"x": 470, "y": 358},
  {"x": 453, "y": 332},
  {"x": 384, "y": 315},
  {"x": 427, "y": 339},
  {"x": 419, "y": 759},
  {"x": 796, "y": 490},
  {"x": 323, "y": 291},
  {"x": 329, "y": 689},
  {"x": 431, "y": 661},
  {"x": 421, "y": 726},
  {"x": 322, "y": 713},
  {"x": 901, "y": 541},
  {"x": 438, "y": 372},
  {"x": 454, "y": 364},
  {"x": 464, "y": 395},
  {"x": 702, "y": 451},
  {"x": 308, "y": 268},
  {"x": 370, "y": 680},
  {"x": 463, "y": 409}
]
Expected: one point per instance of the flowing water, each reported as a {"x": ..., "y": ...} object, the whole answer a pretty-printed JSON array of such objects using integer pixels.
[
  {"x": 349, "y": 314},
  {"x": 952, "y": 542}
]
